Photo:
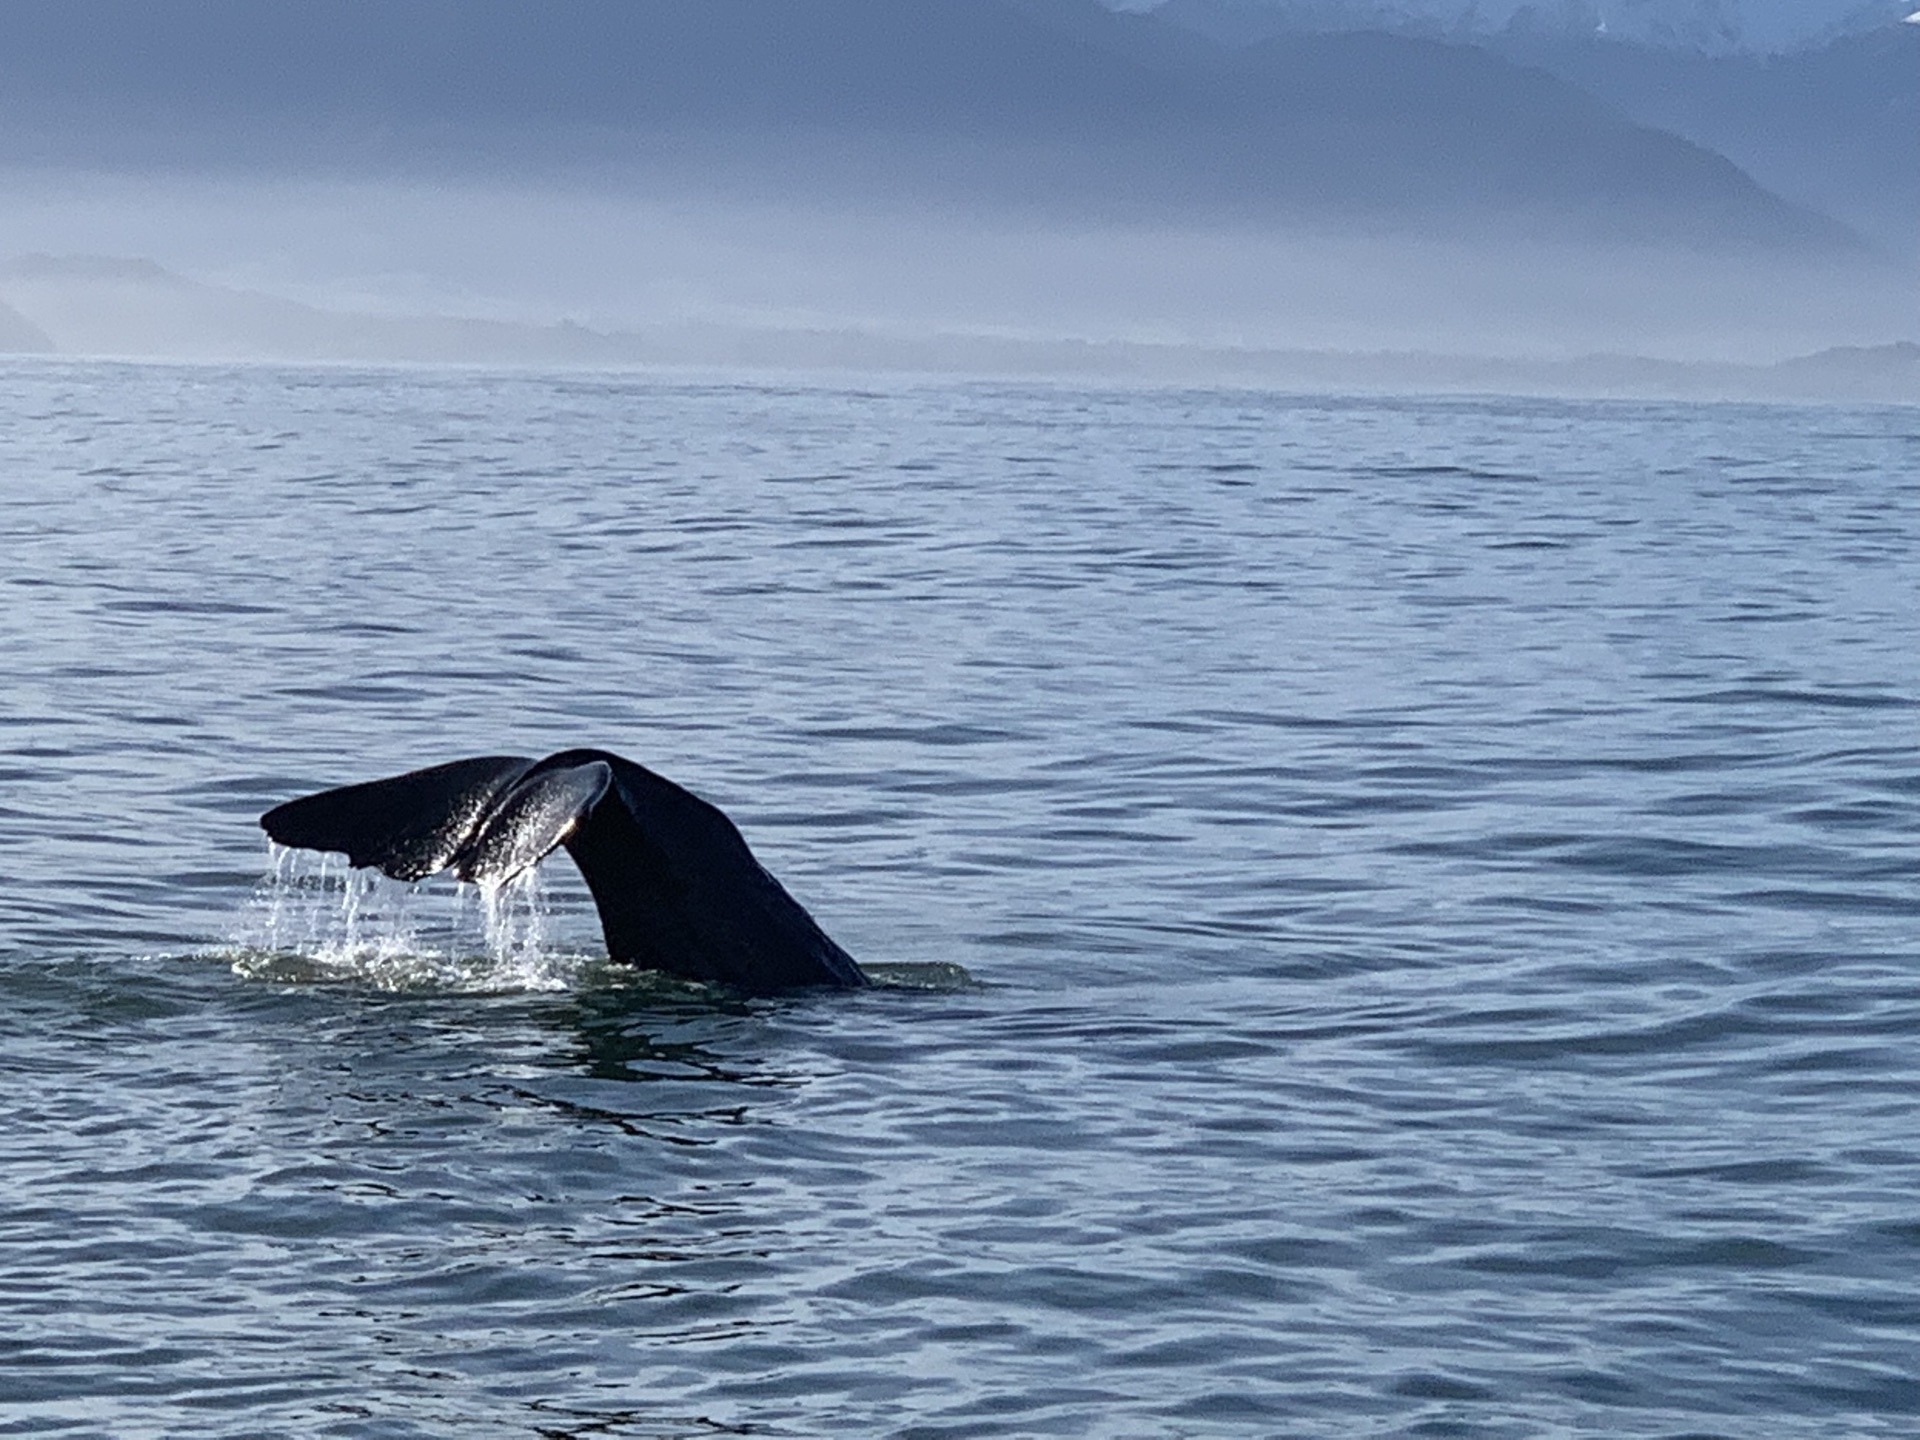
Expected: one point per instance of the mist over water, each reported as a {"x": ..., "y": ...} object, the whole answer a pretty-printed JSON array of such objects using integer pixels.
[
  {"x": 1437, "y": 877},
  {"x": 942, "y": 277}
]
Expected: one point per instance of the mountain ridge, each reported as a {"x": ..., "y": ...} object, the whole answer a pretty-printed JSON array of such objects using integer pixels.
[
  {"x": 134, "y": 308},
  {"x": 1032, "y": 102},
  {"x": 1699, "y": 27},
  {"x": 1827, "y": 124},
  {"x": 1830, "y": 126}
]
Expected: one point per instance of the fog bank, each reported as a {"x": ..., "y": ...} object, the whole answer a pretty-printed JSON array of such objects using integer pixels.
[{"x": 617, "y": 263}]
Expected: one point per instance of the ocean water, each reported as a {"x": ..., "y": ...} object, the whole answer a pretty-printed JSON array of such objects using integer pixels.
[{"x": 1401, "y": 915}]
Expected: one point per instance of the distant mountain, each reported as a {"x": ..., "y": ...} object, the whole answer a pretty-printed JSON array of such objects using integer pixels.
[
  {"x": 1885, "y": 372},
  {"x": 20, "y": 336},
  {"x": 1830, "y": 125},
  {"x": 1703, "y": 27},
  {"x": 128, "y": 307},
  {"x": 1058, "y": 105},
  {"x": 105, "y": 305},
  {"x": 1834, "y": 127}
]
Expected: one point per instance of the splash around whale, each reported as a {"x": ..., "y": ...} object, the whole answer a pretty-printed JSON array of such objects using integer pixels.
[{"x": 675, "y": 884}]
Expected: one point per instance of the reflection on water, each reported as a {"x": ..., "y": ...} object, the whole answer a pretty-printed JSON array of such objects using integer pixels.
[{"x": 1439, "y": 877}]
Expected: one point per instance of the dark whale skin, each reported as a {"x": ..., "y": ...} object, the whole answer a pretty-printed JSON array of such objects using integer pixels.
[{"x": 676, "y": 886}]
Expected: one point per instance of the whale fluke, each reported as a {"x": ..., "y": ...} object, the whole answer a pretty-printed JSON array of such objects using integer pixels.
[
  {"x": 675, "y": 884},
  {"x": 529, "y": 820}
]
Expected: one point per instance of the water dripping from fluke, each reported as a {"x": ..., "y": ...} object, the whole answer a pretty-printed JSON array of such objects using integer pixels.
[{"x": 314, "y": 919}]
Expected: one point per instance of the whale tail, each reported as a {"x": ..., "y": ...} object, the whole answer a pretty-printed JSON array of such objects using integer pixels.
[
  {"x": 408, "y": 826},
  {"x": 676, "y": 887}
]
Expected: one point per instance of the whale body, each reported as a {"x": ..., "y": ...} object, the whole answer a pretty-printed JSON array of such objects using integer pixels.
[{"x": 675, "y": 884}]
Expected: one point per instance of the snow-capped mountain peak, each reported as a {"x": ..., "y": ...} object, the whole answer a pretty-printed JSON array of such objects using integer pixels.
[{"x": 1709, "y": 26}]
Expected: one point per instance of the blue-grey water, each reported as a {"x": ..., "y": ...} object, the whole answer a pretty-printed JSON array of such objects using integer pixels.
[{"x": 1437, "y": 877}]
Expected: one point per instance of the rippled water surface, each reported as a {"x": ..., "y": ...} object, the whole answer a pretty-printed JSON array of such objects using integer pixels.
[{"x": 1437, "y": 880}]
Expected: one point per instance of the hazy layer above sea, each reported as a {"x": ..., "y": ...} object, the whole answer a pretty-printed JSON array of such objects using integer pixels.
[{"x": 998, "y": 187}]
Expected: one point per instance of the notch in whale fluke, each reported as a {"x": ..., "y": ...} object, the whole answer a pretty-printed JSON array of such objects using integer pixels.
[{"x": 675, "y": 884}]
